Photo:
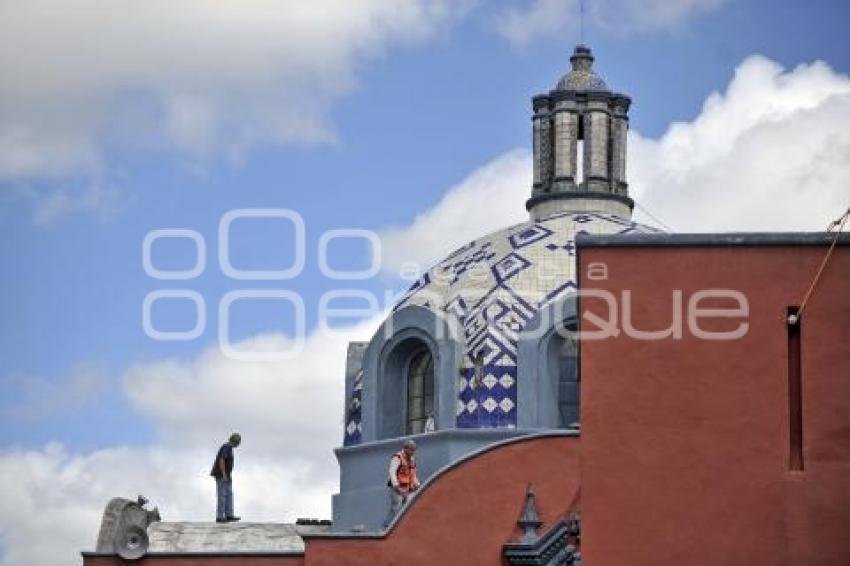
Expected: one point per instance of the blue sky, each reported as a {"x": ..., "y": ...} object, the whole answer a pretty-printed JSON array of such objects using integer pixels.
[{"x": 395, "y": 119}]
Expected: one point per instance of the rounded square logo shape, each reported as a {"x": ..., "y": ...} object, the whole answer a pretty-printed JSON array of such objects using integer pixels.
[
  {"x": 174, "y": 275},
  {"x": 343, "y": 233},
  {"x": 299, "y": 244},
  {"x": 182, "y": 335},
  {"x": 232, "y": 352}
]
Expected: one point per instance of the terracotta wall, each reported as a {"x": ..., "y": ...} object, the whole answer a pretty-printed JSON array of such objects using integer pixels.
[
  {"x": 685, "y": 443},
  {"x": 466, "y": 515}
]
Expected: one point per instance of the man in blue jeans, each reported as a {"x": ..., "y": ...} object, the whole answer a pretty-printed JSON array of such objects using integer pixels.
[{"x": 222, "y": 471}]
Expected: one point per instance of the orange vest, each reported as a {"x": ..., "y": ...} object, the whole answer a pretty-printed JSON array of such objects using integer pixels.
[{"x": 406, "y": 473}]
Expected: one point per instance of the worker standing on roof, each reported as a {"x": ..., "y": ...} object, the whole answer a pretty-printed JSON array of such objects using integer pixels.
[
  {"x": 402, "y": 478},
  {"x": 222, "y": 471}
]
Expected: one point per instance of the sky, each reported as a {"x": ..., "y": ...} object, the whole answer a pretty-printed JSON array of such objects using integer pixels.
[{"x": 252, "y": 132}]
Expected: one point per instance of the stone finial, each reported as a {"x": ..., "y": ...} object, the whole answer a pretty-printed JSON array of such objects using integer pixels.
[
  {"x": 123, "y": 529},
  {"x": 581, "y": 76},
  {"x": 582, "y": 58},
  {"x": 529, "y": 522}
]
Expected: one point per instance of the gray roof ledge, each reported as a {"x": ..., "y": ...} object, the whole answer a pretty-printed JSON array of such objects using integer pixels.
[{"x": 242, "y": 538}]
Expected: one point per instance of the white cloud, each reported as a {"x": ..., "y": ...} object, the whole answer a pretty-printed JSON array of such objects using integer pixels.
[
  {"x": 772, "y": 153},
  {"x": 275, "y": 404},
  {"x": 488, "y": 199},
  {"x": 635, "y": 16},
  {"x": 543, "y": 19},
  {"x": 94, "y": 196},
  {"x": 84, "y": 79},
  {"x": 547, "y": 19},
  {"x": 33, "y": 397},
  {"x": 205, "y": 79}
]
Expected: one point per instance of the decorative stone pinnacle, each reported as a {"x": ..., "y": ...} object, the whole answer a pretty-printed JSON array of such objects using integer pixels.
[{"x": 529, "y": 522}]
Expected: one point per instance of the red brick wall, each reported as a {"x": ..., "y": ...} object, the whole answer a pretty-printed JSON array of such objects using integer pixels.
[
  {"x": 685, "y": 443},
  {"x": 466, "y": 515}
]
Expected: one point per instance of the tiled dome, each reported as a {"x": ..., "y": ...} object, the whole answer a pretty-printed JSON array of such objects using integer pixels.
[
  {"x": 581, "y": 80},
  {"x": 494, "y": 285},
  {"x": 533, "y": 261}
]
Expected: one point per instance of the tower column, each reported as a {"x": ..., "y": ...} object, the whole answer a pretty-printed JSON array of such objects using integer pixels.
[
  {"x": 596, "y": 135},
  {"x": 619, "y": 135},
  {"x": 537, "y": 168},
  {"x": 566, "y": 134},
  {"x": 541, "y": 145}
]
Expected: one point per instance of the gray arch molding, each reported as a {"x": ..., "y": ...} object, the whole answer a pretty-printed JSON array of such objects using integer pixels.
[
  {"x": 397, "y": 338},
  {"x": 537, "y": 398}
]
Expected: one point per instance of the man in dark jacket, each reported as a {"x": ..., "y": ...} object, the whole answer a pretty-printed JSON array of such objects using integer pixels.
[{"x": 222, "y": 471}]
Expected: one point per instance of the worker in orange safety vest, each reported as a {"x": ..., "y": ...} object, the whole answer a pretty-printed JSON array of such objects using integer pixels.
[{"x": 402, "y": 478}]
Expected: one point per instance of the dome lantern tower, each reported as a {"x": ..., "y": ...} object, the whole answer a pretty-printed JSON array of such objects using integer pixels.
[{"x": 579, "y": 141}]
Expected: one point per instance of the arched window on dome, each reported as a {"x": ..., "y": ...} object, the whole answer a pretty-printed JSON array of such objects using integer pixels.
[
  {"x": 420, "y": 391},
  {"x": 563, "y": 368},
  {"x": 407, "y": 386}
]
